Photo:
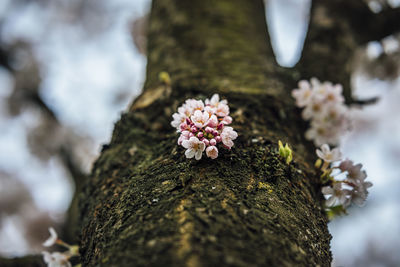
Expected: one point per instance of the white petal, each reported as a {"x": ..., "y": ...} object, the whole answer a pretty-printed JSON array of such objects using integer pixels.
[
  {"x": 330, "y": 201},
  {"x": 336, "y": 154},
  {"x": 186, "y": 143},
  {"x": 325, "y": 148},
  {"x": 52, "y": 239},
  {"x": 320, "y": 154},
  {"x": 198, "y": 154},
  {"x": 367, "y": 184},
  {"x": 47, "y": 256},
  {"x": 190, "y": 153},
  {"x": 327, "y": 190},
  {"x": 202, "y": 146}
]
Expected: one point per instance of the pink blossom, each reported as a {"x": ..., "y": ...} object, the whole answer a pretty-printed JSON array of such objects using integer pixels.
[
  {"x": 227, "y": 135},
  {"x": 354, "y": 172},
  {"x": 200, "y": 119},
  {"x": 214, "y": 101},
  {"x": 185, "y": 110},
  {"x": 178, "y": 119},
  {"x": 312, "y": 110},
  {"x": 212, "y": 152},
  {"x": 356, "y": 179},
  {"x": 227, "y": 120},
  {"x": 213, "y": 121},
  {"x": 195, "y": 104},
  {"x": 56, "y": 259},
  {"x": 221, "y": 108},
  {"x": 194, "y": 148},
  {"x": 184, "y": 127},
  {"x": 185, "y": 135},
  {"x": 359, "y": 193},
  {"x": 303, "y": 94},
  {"x": 204, "y": 126},
  {"x": 329, "y": 155},
  {"x": 323, "y": 104},
  {"x": 333, "y": 94},
  {"x": 338, "y": 195}
]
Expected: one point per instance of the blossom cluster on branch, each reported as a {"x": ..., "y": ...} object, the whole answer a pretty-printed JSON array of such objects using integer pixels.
[
  {"x": 203, "y": 125},
  {"x": 324, "y": 106},
  {"x": 344, "y": 181},
  {"x": 59, "y": 259}
]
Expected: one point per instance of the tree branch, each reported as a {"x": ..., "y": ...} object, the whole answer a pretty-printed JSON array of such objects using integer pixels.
[
  {"x": 383, "y": 24},
  {"x": 27, "y": 261}
]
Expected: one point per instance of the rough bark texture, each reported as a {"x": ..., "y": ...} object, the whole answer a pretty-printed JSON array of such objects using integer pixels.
[{"x": 147, "y": 205}]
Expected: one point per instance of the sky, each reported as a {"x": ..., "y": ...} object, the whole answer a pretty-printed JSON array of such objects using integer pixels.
[{"x": 81, "y": 73}]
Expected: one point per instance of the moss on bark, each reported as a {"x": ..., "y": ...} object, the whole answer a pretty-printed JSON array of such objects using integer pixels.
[{"x": 146, "y": 205}]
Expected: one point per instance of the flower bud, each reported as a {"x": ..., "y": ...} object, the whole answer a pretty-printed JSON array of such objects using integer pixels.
[{"x": 206, "y": 142}]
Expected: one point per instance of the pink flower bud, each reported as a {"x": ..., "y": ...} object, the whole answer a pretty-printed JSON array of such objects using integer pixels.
[
  {"x": 193, "y": 129},
  {"x": 209, "y": 129},
  {"x": 213, "y": 121},
  {"x": 206, "y": 142},
  {"x": 213, "y": 142},
  {"x": 191, "y": 134},
  {"x": 215, "y": 133},
  {"x": 218, "y": 139},
  {"x": 227, "y": 120},
  {"x": 183, "y": 126},
  {"x": 188, "y": 121},
  {"x": 220, "y": 126},
  {"x": 186, "y": 134},
  {"x": 200, "y": 134}
]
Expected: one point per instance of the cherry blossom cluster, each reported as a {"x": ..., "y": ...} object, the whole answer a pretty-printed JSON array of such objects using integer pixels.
[
  {"x": 345, "y": 181},
  {"x": 203, "y": 125},
  {"x": 324, "y": 106},
  {"x": 58, "y": 259}
]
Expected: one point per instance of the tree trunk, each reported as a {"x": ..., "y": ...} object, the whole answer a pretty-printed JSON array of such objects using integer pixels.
[{"x": 147, "y": 205}]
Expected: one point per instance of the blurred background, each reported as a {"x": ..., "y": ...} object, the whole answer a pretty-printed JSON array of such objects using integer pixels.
[{"x": 68, "y": 68}]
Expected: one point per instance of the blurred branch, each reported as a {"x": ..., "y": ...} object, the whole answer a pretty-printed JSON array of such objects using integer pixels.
[
  {"x": 35, "y": 98},
  {"x": 366, "y": 25},
  {"x": 4, "y": 59},
  {"x": 27, "y": 261},
  {"x": 383, "y": 24},
  {"x": 74, "y": 169},
  {"x": 364, "y": 102}
]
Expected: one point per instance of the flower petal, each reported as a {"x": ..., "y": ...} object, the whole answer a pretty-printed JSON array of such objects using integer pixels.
[{"x": 190, "y": 153}]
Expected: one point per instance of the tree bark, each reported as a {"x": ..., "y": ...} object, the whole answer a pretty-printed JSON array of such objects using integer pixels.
[{"x": 147, "y": 205}]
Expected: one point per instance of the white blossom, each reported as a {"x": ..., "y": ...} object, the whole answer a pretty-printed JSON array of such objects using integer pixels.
[
  {"x": 329, "y": 155},
  {"x": 337, "y": 195},
  {"x": 194, "y": 147},
  {"x": 324, "y": 106},
  {"x": 56, "y": 259}
]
